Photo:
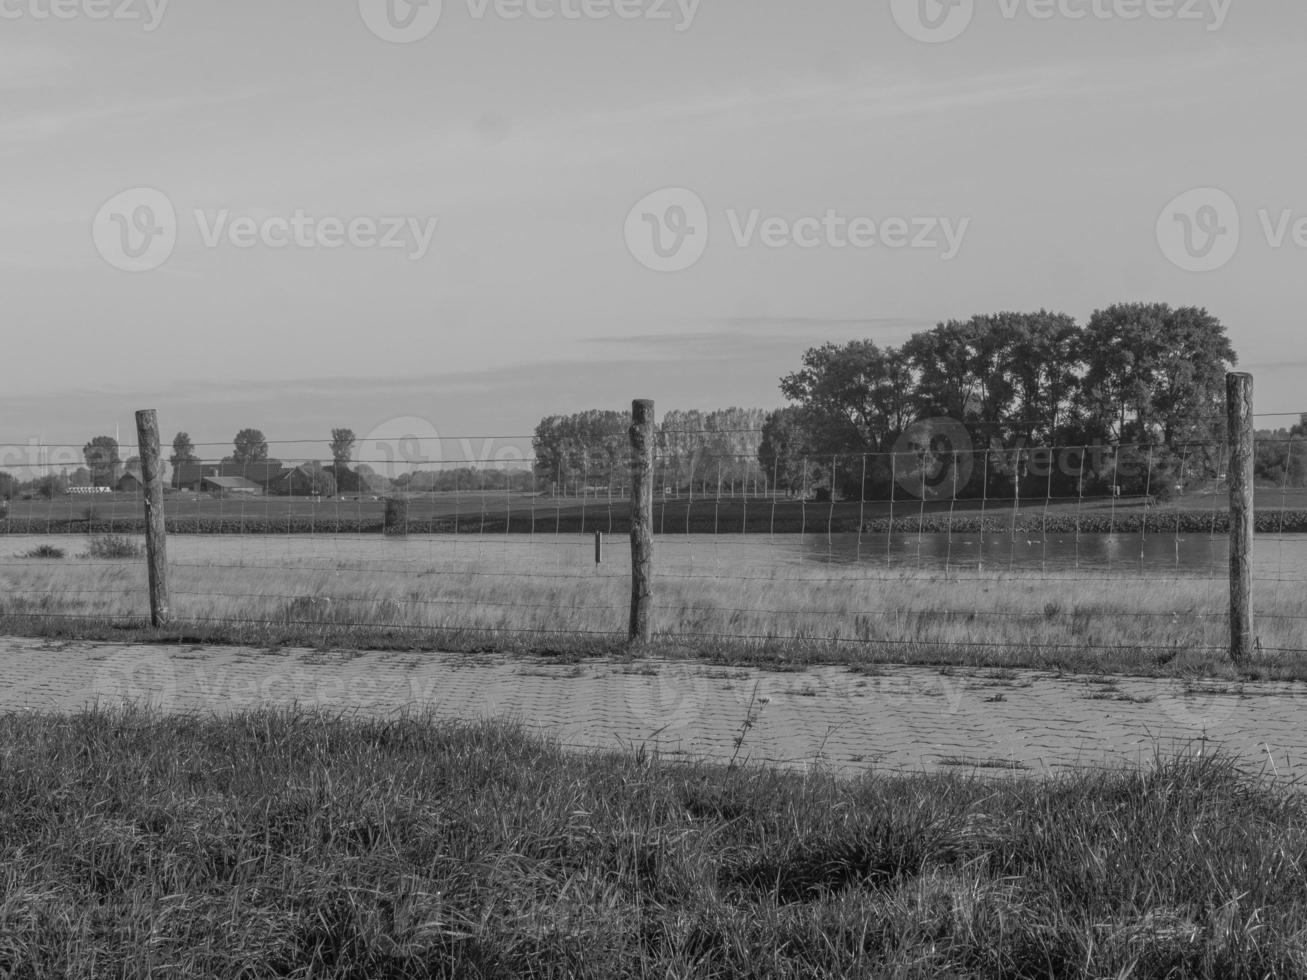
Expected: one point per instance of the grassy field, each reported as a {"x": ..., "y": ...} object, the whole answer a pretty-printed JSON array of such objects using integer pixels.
[
  {"x": 524, "y": 513},
  {"x": 795, "y": 614},
  {"x": 293, "y": 845}
]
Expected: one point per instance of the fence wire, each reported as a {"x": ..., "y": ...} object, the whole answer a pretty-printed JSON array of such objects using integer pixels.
[{"x": 922, "y": 550}]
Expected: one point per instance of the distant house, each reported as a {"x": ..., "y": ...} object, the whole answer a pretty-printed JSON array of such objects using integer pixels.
[
  {"x": 231, "y": 486},
  {"x": 265, "y": 474},
  {"x": 191, "y": 476},
  {"x": 130, "y": 482},
  {"x": 299, "y": 481}
]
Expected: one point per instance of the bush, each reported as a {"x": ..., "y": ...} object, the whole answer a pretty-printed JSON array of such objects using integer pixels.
[
  {"x": 396, "y": 515},
  {"x": 43, "y": 551},
  {"x": 114, "y": 546}
]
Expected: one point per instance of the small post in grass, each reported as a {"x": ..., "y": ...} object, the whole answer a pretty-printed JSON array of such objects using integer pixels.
[
  {"x": 156, "y": 549},
  {"x": 599, "y": 547},
  {"x": 642, "y": 471},
  {"x": 1239, "y": 408}
]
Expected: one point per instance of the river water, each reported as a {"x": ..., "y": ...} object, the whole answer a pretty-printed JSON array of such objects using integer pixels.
[{"x": 1276, "y": 557}]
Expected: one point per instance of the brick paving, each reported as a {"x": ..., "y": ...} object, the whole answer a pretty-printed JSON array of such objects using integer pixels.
[{"x": 889, "y": 719}]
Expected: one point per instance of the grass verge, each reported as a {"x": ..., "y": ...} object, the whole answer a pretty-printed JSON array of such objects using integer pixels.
[
  {"x": 287, "y": 844},
  {"x": 763, "y": 615}
]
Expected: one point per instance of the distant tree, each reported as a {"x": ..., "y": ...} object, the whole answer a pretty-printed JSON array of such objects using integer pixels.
[
  {"x": 782, "y": 452},
  {"x": 1280, "y": 457},
  {"x": 321, "y": 482},
  {"x": 102, "y": 459},
  {"x": 1156, "y": 373},
  {"x": 52, "y": 486},
  {"x": 370, "y": 481},
  {"x": 586, "y": 447},
  {"x": 183, "y": 450},
  {"x": 342, "y": 446},
  {"x": 250, "y": 447},
  {"x": 8, "y": 486},
  {"x": 81, "y": 477},
  {"x": 855, "y": 399}
]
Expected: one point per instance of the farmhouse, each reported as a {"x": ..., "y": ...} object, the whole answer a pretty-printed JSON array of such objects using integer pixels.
[
  {"x": 131, "y": 481},
  {"x": 231, "y": 486},
  {"x": 299, "y": 481},
  {"x": 193, "y": 476}
]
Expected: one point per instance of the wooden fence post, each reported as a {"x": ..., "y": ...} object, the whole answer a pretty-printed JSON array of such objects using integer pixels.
[
  {"x": 642, "y": 467},
  {"x": 156, "y": 548},
  {"x": 1239, "y": 408}
]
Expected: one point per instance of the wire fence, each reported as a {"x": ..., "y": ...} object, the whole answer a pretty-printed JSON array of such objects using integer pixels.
[{"x": 929, "y": 549}]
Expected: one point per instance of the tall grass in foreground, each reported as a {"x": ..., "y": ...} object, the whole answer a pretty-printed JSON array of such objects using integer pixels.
[
  {"x": 800, "y": 612},
  {"x": 293, "y": 845}
]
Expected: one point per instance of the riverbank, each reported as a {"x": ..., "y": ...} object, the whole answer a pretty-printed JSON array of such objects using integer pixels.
[{"x": 998, "y": 519}]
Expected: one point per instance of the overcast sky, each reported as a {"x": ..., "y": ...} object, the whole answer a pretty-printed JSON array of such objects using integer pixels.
[{"x": 929, "y": 162}]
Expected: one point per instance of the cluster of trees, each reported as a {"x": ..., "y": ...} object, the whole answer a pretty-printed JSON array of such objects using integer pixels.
[
  {"x": 1134, "y": 398},
  {"x": 697, "y": 451},
  {"x": 1143, "y": 381},
  {"x": 250, "y": 447},
  {"x": 1281, "y": 456}
]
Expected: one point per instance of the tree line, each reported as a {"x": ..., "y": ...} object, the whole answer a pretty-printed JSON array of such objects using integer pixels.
[
  {"x": 1132, "y": 401},
  {"x": 698, "y": 452}
]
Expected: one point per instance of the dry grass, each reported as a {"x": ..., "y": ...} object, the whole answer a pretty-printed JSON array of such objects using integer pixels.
[{"x": 807, "y": 612}]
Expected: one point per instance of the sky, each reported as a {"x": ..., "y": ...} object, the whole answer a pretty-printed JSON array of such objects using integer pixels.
[{"x": 457, "y": 218}]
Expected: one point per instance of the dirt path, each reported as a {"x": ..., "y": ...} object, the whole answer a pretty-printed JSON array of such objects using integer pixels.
[{"x": 896, "y": 718}]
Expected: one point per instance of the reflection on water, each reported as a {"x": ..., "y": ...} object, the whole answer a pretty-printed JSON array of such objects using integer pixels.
[{"x": 1275, "y": 556}]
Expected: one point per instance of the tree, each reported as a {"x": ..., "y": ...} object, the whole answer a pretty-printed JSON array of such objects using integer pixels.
[
  {"x": 585, "y": 447},
  {"x": 342, "y": 446},
  {"x": 1154, "y": 373},
  {"x": 782, "y": 451},
  {"x": 8, "y": 486},
  {"x": 370, "y": 481},
  {"x": 250, "y": 447},
  {"x": 102, "y": 459},
  {"x": 321, "y": 482},
  {"x": 183, "y": 451},
  {"x": 855, "y": 398},
  {"x": 1155, "y": 377},
  {"x": 855, "y": 402}
]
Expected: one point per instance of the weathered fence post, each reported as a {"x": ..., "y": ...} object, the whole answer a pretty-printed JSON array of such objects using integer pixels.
[
  {"x": 642, "y": 468},
  {"x": 156, "y": 548},
  {"x": 599, "y": 547},
  {"x": 1239, "y": 408}
]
